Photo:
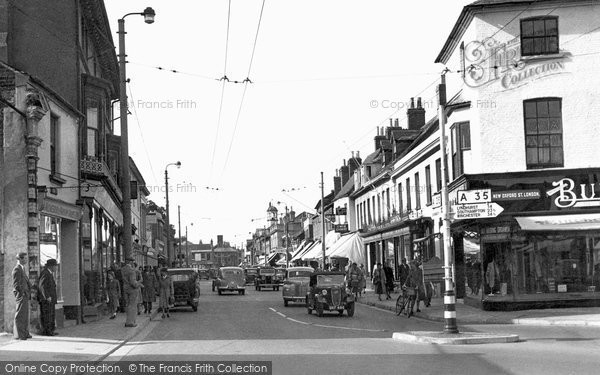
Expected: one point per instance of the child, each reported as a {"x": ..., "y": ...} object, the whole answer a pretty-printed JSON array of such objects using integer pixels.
[{"x": 113, "y": 289}]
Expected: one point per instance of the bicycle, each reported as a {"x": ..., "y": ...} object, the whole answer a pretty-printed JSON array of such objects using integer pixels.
[{"x": 406, "y": 301}]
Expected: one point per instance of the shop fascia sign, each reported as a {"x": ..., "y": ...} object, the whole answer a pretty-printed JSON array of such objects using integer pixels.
[
  {"x": 569, "y": 195},
  {"x": 491, "y": 61}
]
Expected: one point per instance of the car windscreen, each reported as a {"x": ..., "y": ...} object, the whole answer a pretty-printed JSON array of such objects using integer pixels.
[
  {"x": 232, "y": 272},
  {"x": 324, "y": 280},
  {"x": 267, "y": 272},
  {"x": 251, "y": 272},
  {"x": 299, "y": 273},
  {"x": 180, "y": 277}
]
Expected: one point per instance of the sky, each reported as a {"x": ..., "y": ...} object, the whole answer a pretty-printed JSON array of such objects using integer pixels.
[{"x": 325, "y": 74}]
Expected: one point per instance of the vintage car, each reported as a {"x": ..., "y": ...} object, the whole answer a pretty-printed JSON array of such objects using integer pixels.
[
  {"x": 266, "y": 279},
  {"x": 186, "y": 287},
  {"x": 230, "y": 279},
  {"x": 251, "y": 273},
  {"x": 280, "y": 275},
  {"x": 295, "y": 286},
  {"x": 203, "y": 273},
  {"x": 327, "y": 291}
]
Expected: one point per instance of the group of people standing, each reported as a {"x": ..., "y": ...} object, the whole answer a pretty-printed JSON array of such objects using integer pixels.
[
  {"x": 46, "y": 297},
  {"x": 409, "y": 276},
  {"x": 140, "y": 287}
]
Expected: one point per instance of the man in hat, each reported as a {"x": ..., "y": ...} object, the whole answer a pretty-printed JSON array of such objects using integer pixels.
[
  {"x": 130, "y": 288},
  {"x": 22, "y": 291},
  {"x": 47, "y": 298}
]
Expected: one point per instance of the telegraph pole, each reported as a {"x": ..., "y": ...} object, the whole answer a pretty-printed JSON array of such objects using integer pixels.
[
  {"x": 323, "y": 219},
  {"x": 287, "y": 238},
  {"x": 449, "y": 295},
  {"x": 179, "y": 232}
]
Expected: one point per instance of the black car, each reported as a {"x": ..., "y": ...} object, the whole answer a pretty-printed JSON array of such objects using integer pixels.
[
  {"x": 186, "y": 287},
  {"x": 250, "y": 273},
  {"x": 327, "y": 291},
  {"x": 266, "y": 279}
]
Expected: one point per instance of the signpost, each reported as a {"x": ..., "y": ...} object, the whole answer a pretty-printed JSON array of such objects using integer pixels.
[
  {"x": 476, "y": 210},
  {"x": 474, "y": 196}
]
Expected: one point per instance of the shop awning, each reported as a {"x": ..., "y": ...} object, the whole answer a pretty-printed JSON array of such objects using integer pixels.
[
  {"x": 560, "y": 222},
  {"x": 350, "y": 246}
]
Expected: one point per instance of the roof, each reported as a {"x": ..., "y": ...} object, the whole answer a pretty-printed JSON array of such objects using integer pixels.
[
  {"x": 465, "y": 18},
  {"x": 346, "y": 190},
  {"x": 373, "y": 157}
]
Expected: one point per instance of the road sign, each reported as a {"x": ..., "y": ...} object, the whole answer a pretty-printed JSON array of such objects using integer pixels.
[
  {"x": 476, "y": 210},
  {"x": 474, "y": 196}
]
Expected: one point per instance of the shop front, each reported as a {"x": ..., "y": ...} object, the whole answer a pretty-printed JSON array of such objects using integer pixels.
[{"x": 544, "y": 250}]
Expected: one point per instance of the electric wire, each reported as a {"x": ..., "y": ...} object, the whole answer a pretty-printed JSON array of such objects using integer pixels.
[
  {"x": 137, "y": 120},
  {"x": 223, "y": 79},
  {"x": 247, "y": 80}
]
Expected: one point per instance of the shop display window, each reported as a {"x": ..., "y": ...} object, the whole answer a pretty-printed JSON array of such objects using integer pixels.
[{"x": 50, "y": 248}]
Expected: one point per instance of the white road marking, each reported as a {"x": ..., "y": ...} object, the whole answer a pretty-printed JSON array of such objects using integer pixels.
[{"x": 326, "y": 326}]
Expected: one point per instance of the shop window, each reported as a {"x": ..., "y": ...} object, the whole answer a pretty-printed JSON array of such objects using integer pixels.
[
  {"x": 543, "y": 133},
  {"x": 461, "y": 142},
  {"x": 539, "y": 36}
]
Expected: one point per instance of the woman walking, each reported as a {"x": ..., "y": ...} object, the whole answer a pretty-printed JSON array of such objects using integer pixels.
[
  {"x": 379, "y": 281},
  {"x": 165, "y": 292},
  {"x": 113, "y": 290},
  {"x": 149, "y": 292}
]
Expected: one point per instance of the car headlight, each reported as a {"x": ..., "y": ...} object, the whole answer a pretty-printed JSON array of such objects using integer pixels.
[
  {"x": 324, "y": 292},
  {"x": 348, "y": 291}
]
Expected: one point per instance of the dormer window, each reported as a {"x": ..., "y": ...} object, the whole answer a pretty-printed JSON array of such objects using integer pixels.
[{"x": 539, "y": 36}]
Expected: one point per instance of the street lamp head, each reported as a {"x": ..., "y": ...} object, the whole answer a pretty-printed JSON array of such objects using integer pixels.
[
  {"x": 178, "y": 164},
  {"x": 149, "y": 15}
]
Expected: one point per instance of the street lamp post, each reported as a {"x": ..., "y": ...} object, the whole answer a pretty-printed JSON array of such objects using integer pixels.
[
  {"x": 169, "y": 244},
  {"x": 148, "y": 14}
]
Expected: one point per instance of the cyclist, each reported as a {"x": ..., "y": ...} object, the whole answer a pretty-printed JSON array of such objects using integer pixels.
[
  {"x": 415, "y": 280},
  {"x": 354, "y": 279}
]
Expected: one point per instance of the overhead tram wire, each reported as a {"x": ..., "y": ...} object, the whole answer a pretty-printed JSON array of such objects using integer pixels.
[
  {"x": 246, "y": 81},
  {"x": 137, "y": 120},
  {"x": 223, "y": 79}
]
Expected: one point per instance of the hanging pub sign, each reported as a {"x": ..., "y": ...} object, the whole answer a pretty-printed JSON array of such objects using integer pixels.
[
  {"x": 341, "y": 211},
  {"x": 341, "y": 228}
]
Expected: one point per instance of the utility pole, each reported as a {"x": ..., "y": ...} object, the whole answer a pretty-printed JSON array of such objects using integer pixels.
[
  {"x": 323, "y": 219},
  {"x": 187, "y": 254},
  {"x": 179, "y": 232},
  {"x": 449, "y": 295},
  {"x": 287, "y": 238}
]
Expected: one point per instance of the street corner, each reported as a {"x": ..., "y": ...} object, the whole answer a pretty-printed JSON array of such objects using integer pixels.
[{"x": 461, "y": 338}]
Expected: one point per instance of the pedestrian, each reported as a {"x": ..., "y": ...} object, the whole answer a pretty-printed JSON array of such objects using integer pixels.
[
  {"x": 389, "y": 280},
  {"x": 379, "y": 281},
  {"x": 149, "y": 292},
  {"x": 476, "y": 271},
  {"x": 140, "y": 280},
  {"x": 46, "y": 297},
  {"x": 22, "y": 292},
  {"x": 354, "y": 279},
  {"x": 403, "y": 271},
  {"x": 113, "y": 290},
  {"x": 415, "y": 280},
  {"x": 131, "y": 290},
  {"x": 165, "y": 292},
  {"x": 363, "y": 281}
]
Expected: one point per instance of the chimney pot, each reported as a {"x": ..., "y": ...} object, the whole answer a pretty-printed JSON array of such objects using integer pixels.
[
  {"x": 419, "y": 102},
  {"x": 391, "y": 120},
  {"x": 397, "y": 124},
  {"x": 344, "y": 161},
  {"x": 412, "y": 102}
]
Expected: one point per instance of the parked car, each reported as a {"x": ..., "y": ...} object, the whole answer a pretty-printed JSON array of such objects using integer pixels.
[
  {"x": 230, "y": 279},
  {"x": 186, "y": 287},
  {"x": 295, "y": 285},
  {"x": 266, "y": 279},
  {"x": 251, "y": 273},
  {"x": 328, "y": 292},
  {"x": 280, "y": 275}
]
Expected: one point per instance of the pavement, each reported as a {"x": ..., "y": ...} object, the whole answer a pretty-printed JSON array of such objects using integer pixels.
[{"x": 467, "y": 315}]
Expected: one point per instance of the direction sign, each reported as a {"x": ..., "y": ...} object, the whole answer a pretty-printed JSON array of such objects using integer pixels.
[
  {"x": 476, "y": 210},
  {"x": 473, "y": 196}
]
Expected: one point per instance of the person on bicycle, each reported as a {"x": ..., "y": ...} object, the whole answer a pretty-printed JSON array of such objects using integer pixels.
[{"x": 415, "y": 280}]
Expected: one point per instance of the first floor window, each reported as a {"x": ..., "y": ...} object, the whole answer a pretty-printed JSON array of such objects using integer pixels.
[{"x": 543, "y": 133}]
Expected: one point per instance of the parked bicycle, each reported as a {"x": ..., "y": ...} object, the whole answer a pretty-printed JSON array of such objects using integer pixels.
[{"x": 406, "y": 301}]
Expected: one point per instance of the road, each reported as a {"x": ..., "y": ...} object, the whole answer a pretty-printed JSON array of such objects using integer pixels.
[{"x": 257, "y": 326}]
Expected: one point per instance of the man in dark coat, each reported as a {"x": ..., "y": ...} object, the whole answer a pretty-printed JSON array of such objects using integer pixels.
[
  {"x": 403, "y": 270},
  {"x": 389, "y": 277},
  {"x": 47, "y": 298},
  {"x": 22, "y": 292}
]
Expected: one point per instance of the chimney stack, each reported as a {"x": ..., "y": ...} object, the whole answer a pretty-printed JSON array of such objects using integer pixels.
[
  {"x": 354, "y": 163},
  {"x": 415, "y": 116},
  {"x": 344, "y": 174},
  {"x": 397, "y": 123},
  {"x": 220, "y": 240},
  {"x": 337, "y": 182}
]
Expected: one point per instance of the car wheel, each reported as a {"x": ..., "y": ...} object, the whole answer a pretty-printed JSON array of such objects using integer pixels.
[
  {"x": 195, "y": 308},
  {"x": 219, "y": 291},
  {"x": 213, "y": 287},
  {"x": 285, "y": 302},
  {"x": 350, "y": 309},
  {"x": 258, "y": 288},
  {"x": 243, "y": 292},
  {"x": 319, "y": 309},
  {"x": 341, "y": 312}
]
